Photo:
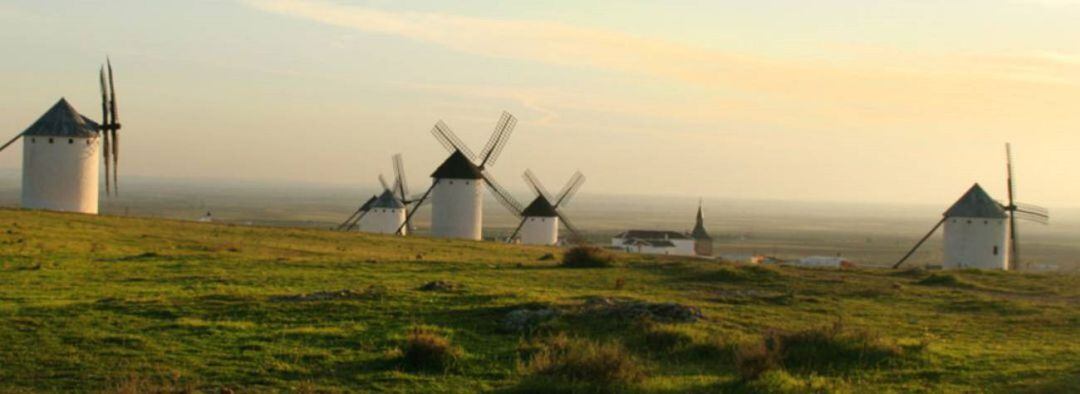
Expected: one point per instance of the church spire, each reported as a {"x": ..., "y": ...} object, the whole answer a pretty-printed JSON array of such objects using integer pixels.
[{"x": 699, "y": 227}]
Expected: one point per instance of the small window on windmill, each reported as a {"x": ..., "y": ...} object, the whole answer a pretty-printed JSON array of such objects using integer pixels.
[
  {"x": 995, "y": 250},
  {"x": 50, "y": 140},
  {"x": 33, "y": 140},
  {"x": 71, "y": 140}
]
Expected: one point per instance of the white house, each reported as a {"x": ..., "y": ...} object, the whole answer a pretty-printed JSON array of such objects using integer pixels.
[
  {"x": 976, "y": 232},
  {"x": 655, "y": 242},
  {"x": 61, "y": 158},
  {"x": 696, "y": 243}
]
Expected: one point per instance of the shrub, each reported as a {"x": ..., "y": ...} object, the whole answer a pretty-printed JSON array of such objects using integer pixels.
[
  {"x": 945, "y": 280},
  {"x": 754, "y": 359},
  {"x": 665, "y": 339},
  {"x": 587, "y": 257},
  {"x": 817, "y": 350},
  {"x": 426, "y": 349},
  {"x": 583, "y": 365},
  {"x": 834, "y": 347}
]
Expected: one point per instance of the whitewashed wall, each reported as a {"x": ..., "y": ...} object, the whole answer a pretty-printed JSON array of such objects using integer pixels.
[
  {"x": 457, "y": 209},
  {"x": 540, "y": 231},
  {"x": 383, "y": 221},
  {"x": 62, "y": 175},
  {"x": 976, "y": 243}
]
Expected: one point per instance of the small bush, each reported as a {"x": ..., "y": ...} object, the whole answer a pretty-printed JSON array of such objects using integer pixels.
[
  {"x": 584, "y": 366},
  {"x": 428, "y": 350},
  {"x": 587, "y": 257},
  {"x": 756, "y": 358},
  {"x": 440, "y": 285},
  {"x": 945, "y": 280},
  {"x": 665, "y": 338},
  {"x": 816, "y": 350}
]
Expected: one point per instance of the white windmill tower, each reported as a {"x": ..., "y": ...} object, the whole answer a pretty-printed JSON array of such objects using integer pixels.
[
  {"x": 540, "y": 220},
  {"x": 458, "y": 184},
  {"x": 61, "y": 157},
  {"x": 387, "y": 212},
  {"x": 981, "y": 232}
]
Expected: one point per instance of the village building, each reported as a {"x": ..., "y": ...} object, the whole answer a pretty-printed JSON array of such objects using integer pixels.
[{"x": 672, "y": 243}]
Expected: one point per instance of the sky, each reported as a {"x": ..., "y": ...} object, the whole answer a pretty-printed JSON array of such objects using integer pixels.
[{"x": 832, "y": 100}]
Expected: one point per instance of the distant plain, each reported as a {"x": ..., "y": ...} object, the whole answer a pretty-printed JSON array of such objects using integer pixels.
[{"x": 869, "y": 234}]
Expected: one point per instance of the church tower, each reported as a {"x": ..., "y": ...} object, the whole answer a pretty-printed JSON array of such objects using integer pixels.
[{"x": 703, "y": 245}]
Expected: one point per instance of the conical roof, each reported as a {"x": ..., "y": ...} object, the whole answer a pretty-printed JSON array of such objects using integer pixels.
[
  {"x": 367, "y": 204},
  {"x": 387, "y": 200},
  {"x": 63, "y": 121},
  {"x": 457, "y": 166},
  {"x": 976, "y": 204},
  {"x": 699, "y": 226},
  {"x": 540, "y": 207}
]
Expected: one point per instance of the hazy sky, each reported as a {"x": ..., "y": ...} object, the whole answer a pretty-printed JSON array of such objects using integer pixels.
[{"x": 845, "y": 100}]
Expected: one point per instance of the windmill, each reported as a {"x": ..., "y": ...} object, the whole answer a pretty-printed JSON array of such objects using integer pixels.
[
  {"x": 61, "y": 157},
  {"x": 386, "y": 212},
  {"x": 458, "y": 183},
  {"x": 540, "y": 220},
  {"x": 976, "y": 235}
]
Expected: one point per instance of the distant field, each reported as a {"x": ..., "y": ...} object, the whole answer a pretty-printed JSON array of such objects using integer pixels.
[
  {"x": 873, "y": 235},
  {"x": 90, "y": 304}
]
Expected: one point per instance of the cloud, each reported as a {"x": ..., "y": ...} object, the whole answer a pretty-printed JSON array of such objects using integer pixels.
[{"x": 887, "y": 88}]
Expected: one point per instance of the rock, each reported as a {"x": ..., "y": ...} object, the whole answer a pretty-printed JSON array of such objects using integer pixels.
[
  {"x": 527, "y": 320},
  {"x": 440, "y": 285},
  {"x": 371, "y": 292},
  {"x": 621, "y": 308}
]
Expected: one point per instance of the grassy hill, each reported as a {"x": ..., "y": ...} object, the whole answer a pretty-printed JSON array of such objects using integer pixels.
[{"x": 134, "y": 305}]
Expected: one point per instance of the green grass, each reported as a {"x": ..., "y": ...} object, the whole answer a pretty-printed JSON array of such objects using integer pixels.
[{"x": 91, "y": 304}]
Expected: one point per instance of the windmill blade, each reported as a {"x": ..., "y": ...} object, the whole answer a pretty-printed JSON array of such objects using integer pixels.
[
  {"x": 105, "y": 148},
  {"x": 575, "y": 235},
  {"x": 12, "y": 141},
  {"x": 114, "y": 126},
  {"x": 1032, "y": 209},
  {"x": 409, "y": 215},
  {"x": 1032, "y": 217},
  {"x": 537, "y": 187},
  {"x": 917, "y": 245},
  {"x": 356, "y": 222},
  {"x": 571, "y": 188},
  {"x": 115, "y": 118},
  {"x": 1014, "y": 251},
  {"x": 347, "y": 220},
  {"x": 363, "y": 207},
  {"x": 498, "y": 139},
  {"x": 450, "y": 141},
  {"x": 505, "y": 198},
  {"x": 382, "y": 181},
  {"x": 399, "y": 178},
  {"x": 516, "y": 230}
]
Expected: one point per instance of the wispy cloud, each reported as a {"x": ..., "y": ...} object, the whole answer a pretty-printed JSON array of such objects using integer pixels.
[{"x": 874, "y": 90}]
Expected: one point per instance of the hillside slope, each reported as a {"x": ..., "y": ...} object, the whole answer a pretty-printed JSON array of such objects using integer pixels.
[{"x": 124, "y": 304}]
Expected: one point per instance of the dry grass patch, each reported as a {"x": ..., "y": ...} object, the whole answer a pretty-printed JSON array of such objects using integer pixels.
[
  {"x": 585, "y": 256},
  {"x": 579, "y": 365},
  {"x": 831, "y": 349},
  {"x": 426, "y": 349}
]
